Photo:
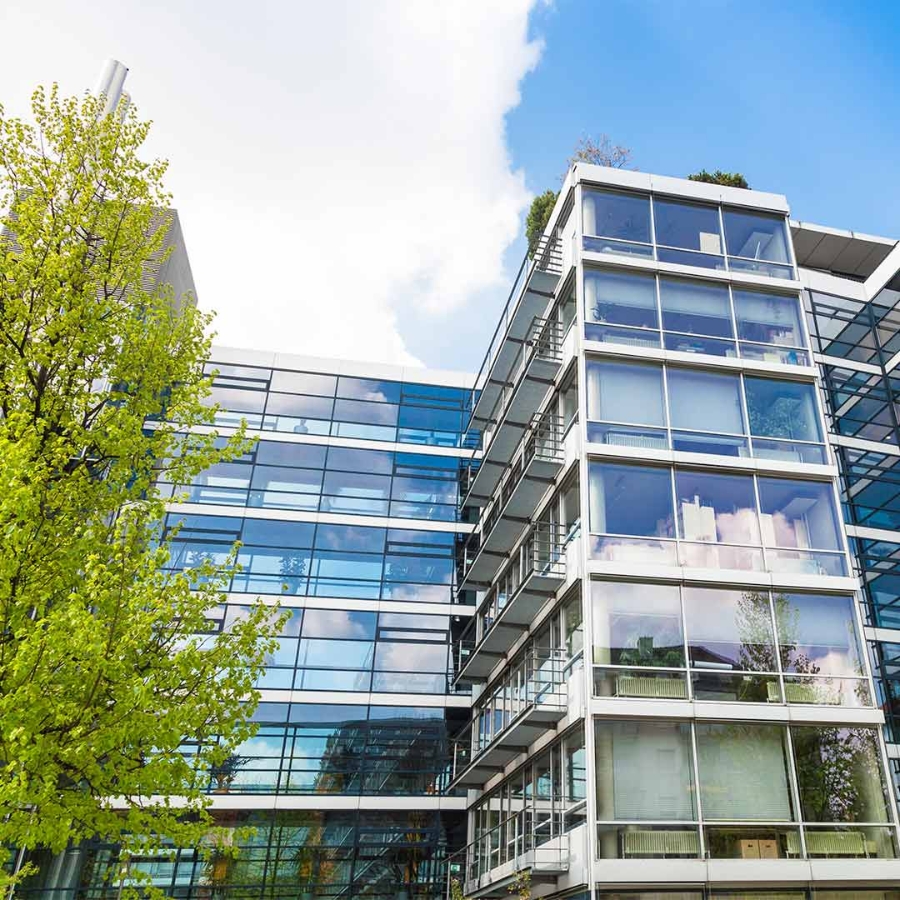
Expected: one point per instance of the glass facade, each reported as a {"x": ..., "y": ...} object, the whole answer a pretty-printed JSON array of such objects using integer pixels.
[
  {"x": 555, "y": 644},
  {"x": 357, "y": 704},
  {"x": 692, "y": 316},
  {"x": 685, "y": 232}
]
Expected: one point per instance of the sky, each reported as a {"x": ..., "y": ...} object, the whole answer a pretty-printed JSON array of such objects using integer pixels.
[{"x": 352, "y": 176}]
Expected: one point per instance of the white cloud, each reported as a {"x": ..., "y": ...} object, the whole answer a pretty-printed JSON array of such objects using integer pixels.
[{"x": 335, "y": 164}]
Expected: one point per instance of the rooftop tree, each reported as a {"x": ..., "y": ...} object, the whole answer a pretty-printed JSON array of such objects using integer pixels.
[
  {"x": 107, "y": 658},
  {"x": 729, "y": 179}
]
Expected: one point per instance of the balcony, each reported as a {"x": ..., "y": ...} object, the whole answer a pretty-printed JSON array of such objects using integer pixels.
[
  {"x": 538, "y": 361},
  {"x": 535, "y": 575},
  {"x": 531, "y": 293},
  {"x": 529, "y": 841},
  {"x": 529, "y": 699},
  {"x": 515, "y": 499}
]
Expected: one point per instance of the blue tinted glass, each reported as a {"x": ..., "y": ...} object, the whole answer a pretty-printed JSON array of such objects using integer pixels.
[
  {"x": 278, "y": 453},
  {"x": 687, "y": 225},
  {"x": 303, "y": 383},
  {"x": 299, "y": 406},
  {"x": 349, "y": 459},
  {"x": 339, "y": 623},
  {"x": 756, "y": 235},
  {"x": 451, "y": 397},
  {"x": 368, "y": 389},
  {"x": 620, "y": 299},
  {"x": 695, "y": 307},
  {"x": 337, "y": 714},
  {"x": 329, "y": 654},
  {"x": 207, "y": 527},
  {"x": 632, "y": 500},
  {"x": 782, "y": 409},
  {"x": 623, "y": 216},
  {"x": 365, "y": 413},
  {"x": 419, "y": 463},
  {"x": 278, "y": 534},
  {"x": 430, "y": 418},
  {"x": 798, "y": 514},
  {"x": 347, "y": 537},
  {"x": 440, "y": 541}
]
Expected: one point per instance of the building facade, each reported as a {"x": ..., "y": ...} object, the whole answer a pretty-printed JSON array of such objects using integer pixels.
[
  {"x": 619, "y": 616},
  {"x": 673, "y": 695}
]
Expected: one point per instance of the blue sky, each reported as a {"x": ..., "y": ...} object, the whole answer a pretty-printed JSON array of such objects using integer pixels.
[
  {"x": 803, "y": 98},
  {"x": 353, "y": 176}
]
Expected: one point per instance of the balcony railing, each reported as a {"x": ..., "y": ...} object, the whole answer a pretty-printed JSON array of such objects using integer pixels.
[
  {"x": 538, "y": 570},
  {"x": 530, "y": 840},
  {"x": 530, "y": 294},
  {"x": 530, "y": 698}
]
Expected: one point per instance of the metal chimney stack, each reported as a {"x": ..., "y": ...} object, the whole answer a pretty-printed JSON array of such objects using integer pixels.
[{"x": 110, "y": 85}]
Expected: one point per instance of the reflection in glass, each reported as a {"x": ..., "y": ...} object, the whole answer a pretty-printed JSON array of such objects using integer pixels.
[
  {"x": 768, "y": 319},
  {"x": 616, "y": 298},
  {"x": 714, "y": 507},
  {"x": 817, "y": 634},
  {"x": 689, "y": 226},
  {"x": 630, "y": 500},
  {"x": 695, "y": 307},
  {"x": 637, "y": 624},
  {"x": 729, "y": 629},
  {"x": 798, "y": 514},
  {"x": 616, "y": 215},
  {"x": 756, "y": 236},
  {"x": 839, "y": 774}
]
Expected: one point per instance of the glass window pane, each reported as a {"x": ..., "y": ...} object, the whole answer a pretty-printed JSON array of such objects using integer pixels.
[
  {"x": 279, "y": 453},
  {"x": 637, "y": 624},
  {"x": 713, "y": 507},
  {"x": 644, "y": 771},
  {"x": 743, "y": 772},
  {"x": 782, "y": 409},
  {"x": 299, "y": 406},
  {"x": 756, "y": 236},
  {"x": 839, "y": 774},
  {"x": 614, "y": 215},
  {"x": 339, "y": 623},
  {"x": 365, "y": 412},
  {"x": 633, "y": 500},
  {"x": 687, "y": 225},
  {"x": 620, "y": 299},
  {"x": 817, "y": 634},
  {"x": 348, "y": 459},
  {"x": 729, "y": 630},
  {"x": 695, "y": 307},
  {"x": 703, "y": 401},
  {"x": 621, "y": 392},
  {"x": 798, "y": 514},
  {"x": 768, "y": 318},
  {"x": 368, "y": 389},
  {"x": 303, "y": 383}
]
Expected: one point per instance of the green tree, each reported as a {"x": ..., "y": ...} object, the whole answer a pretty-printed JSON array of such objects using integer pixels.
[
  {"x": 538, "y": 217},
  {"x": 107, "y": 663},
  {"x": 729, "y": 179},
  {"x": 600, "y": 151}
]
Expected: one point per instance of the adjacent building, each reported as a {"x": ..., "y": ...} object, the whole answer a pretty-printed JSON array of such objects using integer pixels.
[{"x": 617, "y": 617}]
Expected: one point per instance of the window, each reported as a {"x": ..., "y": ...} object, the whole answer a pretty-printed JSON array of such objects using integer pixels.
[
  {"x": 800, "y": 516},
  {"x": 622, "y": 220},
  {"x": 839, "y": 774},
  {"x": 614, "y": 298},
  {"x": 817, "y": 634},
  {"x": 784, "y": 420},
  {"x": 644, "y": 771},
  {"x": 706, "y": 410},
  {"x": 769, "y": 327},
  {"x": 689, "y": 227},
  {"x": 626, "y": 395},
  {"x": 757, "y": 243},
  {"x": 634, "y": 501},
  {"x": 743, "y": 772},
  {"x": 697, "y": 310}
]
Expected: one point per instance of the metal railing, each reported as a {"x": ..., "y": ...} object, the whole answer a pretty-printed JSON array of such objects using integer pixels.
[
  {"x": 530, "y": 839},
  {"x": 548, "y": 258},
  {"x": 536, "y": 680},
  {"x": 544, "y": 341},
  {"x": 543, "y": 441}
]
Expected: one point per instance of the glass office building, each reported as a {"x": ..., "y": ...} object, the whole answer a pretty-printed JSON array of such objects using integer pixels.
[{"x": 621, "y": 612}]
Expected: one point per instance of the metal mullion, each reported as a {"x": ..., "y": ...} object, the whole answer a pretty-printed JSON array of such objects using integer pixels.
[
  {"x": 698, "y": 806},
  {"x": 745, "y": 410},
  {"x": 795, "y": 788},
  {"x": 684, "y": 644},
  {"x": 762, "y": 541},
  {"x": 667, "y": 424},
  {"x": 776, "y": 638},
  {"x": 724, "y": 239},
  {"x": 734, "y": 328},
  {"x": 651, "y": 202}
]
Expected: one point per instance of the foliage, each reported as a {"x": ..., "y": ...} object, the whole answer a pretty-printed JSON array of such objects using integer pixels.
[
  {"x": 599, "y": 152},
  {"x": 106, "y": 659},
  {"x": 521, "y": 885},
  {"x": 456, "y": 890},
  {"x": 538, "y": 217},
  {"x": 729, "y": 179},
  {"x": 643, "y": 653}
]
